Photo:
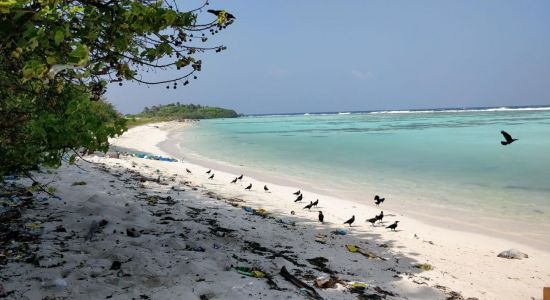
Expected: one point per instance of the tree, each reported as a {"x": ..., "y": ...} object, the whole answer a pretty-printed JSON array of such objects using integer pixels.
[{"x": 57, "y": 57}]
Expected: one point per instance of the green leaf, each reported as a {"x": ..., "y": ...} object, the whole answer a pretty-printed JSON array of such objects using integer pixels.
[
  {"x": 59, "y": 36},
  {"x": 79, "y": 55}
]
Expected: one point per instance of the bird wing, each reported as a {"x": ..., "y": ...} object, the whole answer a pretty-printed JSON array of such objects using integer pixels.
[{"x": 506, "y": 135}]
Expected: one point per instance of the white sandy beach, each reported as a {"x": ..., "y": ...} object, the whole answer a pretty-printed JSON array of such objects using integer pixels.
[{"x": 207, "y": 215}]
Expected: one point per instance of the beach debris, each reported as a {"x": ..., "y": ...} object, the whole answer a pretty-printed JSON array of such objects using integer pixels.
[
  {"x": 286, "y": 222},
  {"x": 424, "y": 267},
  {"x": 260, "y": 212},
  {"x": 302, "y": 286},
  {"x": 95, "y": 227},
  {"x": 150, "y": 156},
  {"x": 116, "y": 265},
  {"x": 339, "y": 232},
  {"x": 356, "y": 286},
  {"x": 132, "y": 232},
  {"x": 356, "y": 249},
  {"x": 321, "y": 238},
  {"x": 512, "y": 254},
  {"x": 251, "y": 272},
  {"x": 292, "y": 212},
  {"x": 326, "y": 283}
]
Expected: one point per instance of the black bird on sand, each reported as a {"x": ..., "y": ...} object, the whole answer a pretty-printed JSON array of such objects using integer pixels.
[
  {"x": 217, "y": 13},
  {"x": 265, "y": 188},
  {"x": 188, "y": 171},
  {"x": 234, "y": 180},
  {"x": 297, "y": 193},
  {"x": 372, "y": 220},
  {"x": 315, "y": 203},
  {"x": 350, "y": 221},
  {"x": 211, "y": 176},
  {"x": 321, "y": 217},
  {"x": 378, "y": 200},
  {"x": 309, "y": 205},
  {"x": 393, "y": 226},
  {"x": 508, "y": 138},
  {"x": 240, "y": 177},
  {"x": 300, "y": 197},
  {"x": 249, "y": 187},
  {"x": 208, "y": 172},
  {"x": 380, "y": 216}
]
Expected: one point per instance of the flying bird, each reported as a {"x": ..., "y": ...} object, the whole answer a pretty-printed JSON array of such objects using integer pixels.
[
  {"x": 208, "y": 172},
  {"x": 380, "y": 216},
  {"x": 350, "y": 221},
  {"x": 315, "y": 203},
  {"x": 211, "y": 176},
  {"x": 249, "y": 187},
  {"x": 234, "y": 180},
  {"x": 393, "y": 226},
  {"x": 372, "y": 220},
  {"x": 218, "y": 12},
  {"x": 309, "y": 205},
  {"x": 300, "y": 197},
  {"x": 297, "y": 193},
  {"x": 240, "y": 177},
  {"x": 188, "y": 171},
  {"x": 265, "y": 188},
  {"x": 321, "y": 217},
  {"x": 508, "y": 138},
  {"x": 378, "y": 200}
]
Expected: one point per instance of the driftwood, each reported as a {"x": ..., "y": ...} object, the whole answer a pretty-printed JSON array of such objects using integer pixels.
[{"x": 300, "y": 284}]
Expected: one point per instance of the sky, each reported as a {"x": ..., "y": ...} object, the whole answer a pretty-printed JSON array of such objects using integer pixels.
[{"x": 292, "y": 56}]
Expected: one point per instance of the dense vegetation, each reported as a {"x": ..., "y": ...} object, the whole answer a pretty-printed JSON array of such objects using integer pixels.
[
  {"x": 58, "y": 56},
  {"x": 179, "y": 111}
]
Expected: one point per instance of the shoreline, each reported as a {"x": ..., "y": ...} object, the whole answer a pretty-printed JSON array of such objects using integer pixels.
[
  {"x": 434, "y": 215},
  {"x": 457, "y": 246}
]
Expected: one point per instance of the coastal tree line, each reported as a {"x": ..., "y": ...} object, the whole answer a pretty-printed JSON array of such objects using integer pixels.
[
  {"x": 177, "y": 111},
  {"x": 57, "y": 58}
]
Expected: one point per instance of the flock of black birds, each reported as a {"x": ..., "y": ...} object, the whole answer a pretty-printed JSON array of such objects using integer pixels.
[
  {"x": 377, "y": 199},
  {"x": 321, "y": 217}
]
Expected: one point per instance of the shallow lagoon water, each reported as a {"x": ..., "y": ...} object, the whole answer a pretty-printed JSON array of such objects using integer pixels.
[{"x": 444, "y": 159}]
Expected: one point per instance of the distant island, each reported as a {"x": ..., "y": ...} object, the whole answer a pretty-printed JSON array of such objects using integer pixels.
[{"x": 178, "y": 112}]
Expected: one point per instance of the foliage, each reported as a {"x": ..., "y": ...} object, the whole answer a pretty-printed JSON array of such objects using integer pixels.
[
  {"x": 57, "y": 57},
  {"x": 179, "y": 111}
]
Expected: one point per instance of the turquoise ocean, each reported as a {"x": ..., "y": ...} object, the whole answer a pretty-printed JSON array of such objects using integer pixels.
[{"x": 450, "y": 160}]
